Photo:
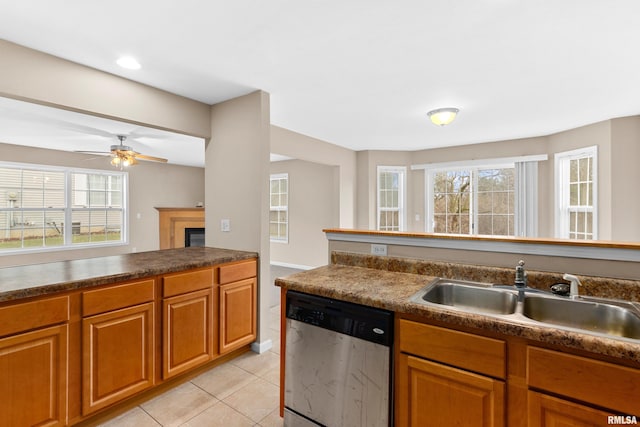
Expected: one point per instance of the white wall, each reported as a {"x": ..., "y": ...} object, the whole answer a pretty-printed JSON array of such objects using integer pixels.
[{"x": 150, "y": 185}]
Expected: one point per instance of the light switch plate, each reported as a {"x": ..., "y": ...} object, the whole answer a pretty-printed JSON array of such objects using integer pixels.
[{"x": 225, "y": 225}]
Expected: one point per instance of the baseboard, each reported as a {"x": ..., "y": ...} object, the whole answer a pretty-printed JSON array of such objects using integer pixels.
[
  {"x": 288, "y": 265},
  {"x": 261, "y": 347}
]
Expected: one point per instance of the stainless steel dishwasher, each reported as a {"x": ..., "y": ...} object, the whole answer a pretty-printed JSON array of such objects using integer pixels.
[{"x": 337, "y": 363}]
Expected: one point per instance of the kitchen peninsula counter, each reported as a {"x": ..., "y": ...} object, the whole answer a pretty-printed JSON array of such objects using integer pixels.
[
  {"x": 388, "y": 283},
  {"x": 49, "y": 278}
]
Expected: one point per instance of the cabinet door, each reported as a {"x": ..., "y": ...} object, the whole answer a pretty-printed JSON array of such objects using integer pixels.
[
  {"x": 547, "y": 411},
  {"x": 187, "y": 331},
  {"x": 33, "y": 378},
  {"x": 431, "y": 394},
  {"x": 117, "y": 349},
  {"x": 237, "y": 314}
]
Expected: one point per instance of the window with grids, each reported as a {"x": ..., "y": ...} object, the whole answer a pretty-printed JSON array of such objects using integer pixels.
[
  {"x": 391, "y": 207},
  {"x": 279, "y": 208},
  {"x": 45, "y": 207},
  {"x": 472, "y": 201},
  {"x": 576, "y": 194}
]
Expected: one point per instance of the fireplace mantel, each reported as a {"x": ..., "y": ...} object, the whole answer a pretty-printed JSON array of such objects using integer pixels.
[{"x": 173, "y": 221}]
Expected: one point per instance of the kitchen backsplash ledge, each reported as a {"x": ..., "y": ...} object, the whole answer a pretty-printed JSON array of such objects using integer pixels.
[{"x": 602, "y": 287}]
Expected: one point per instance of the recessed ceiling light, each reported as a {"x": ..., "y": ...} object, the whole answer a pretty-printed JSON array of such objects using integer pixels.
[{"x": 129, "y": 63}]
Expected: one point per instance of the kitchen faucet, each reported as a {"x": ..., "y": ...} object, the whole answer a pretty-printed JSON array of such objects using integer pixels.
[
  {"x": 521, "y": 276},
  {"x": 574, "y": 292}
]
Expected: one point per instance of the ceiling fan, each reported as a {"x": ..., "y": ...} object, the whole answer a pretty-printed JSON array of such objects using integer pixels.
[{"x": 123, "y": 155}]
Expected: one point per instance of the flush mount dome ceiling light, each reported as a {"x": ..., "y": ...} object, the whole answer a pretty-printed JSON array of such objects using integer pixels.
[
  {"x": 443, "y": 116},
  {"x": 128, "y": 62}
]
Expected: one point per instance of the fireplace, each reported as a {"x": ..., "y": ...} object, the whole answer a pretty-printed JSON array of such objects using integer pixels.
[{"x": 194, "y": 236}]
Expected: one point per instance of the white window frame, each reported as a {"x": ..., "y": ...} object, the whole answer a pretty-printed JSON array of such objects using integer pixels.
[
  {"x": 562, "y": 208},
  {"x": 68, "y": 209},
  {"x": 280, "y": 208},
  {"x": 402, "y": 203},
  {"x": 526, "y": 187}
]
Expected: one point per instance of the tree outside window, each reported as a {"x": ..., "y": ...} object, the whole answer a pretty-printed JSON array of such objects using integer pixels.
[{"x": 473, "y": 201}]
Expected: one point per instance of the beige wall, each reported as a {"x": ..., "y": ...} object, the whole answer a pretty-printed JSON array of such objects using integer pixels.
[
  {"x": 150, "y": 185},
  {"x": 625, "y": 178},
  {"x": 302, "y": 147},
  {"x": 313, "y": 206},
  {"x": 34, "y": 76},
  {"x": 237, "y": 185},
  {"x": 598, "y": 134},
  {"x": 618, "y": 154},
  {"x": 368, "y": 162}
]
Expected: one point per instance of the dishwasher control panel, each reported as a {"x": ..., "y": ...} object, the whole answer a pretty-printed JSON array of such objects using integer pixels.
[{"x": 368, "y": 323}]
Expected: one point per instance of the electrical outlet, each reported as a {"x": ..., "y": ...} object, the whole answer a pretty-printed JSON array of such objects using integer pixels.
[
  {"x": 225, "y": 225},
  {"x": 379, "y": 249}
]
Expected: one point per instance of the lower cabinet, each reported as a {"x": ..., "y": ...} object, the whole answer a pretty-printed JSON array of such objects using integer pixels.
[
  {"x": 448, "y": 378},
  {"x": 605, "y": 390},
  {"x": 33, "y": 378},
  {"x": 118, "y": 327},
  {"x": 187, "y": 331},
  {"x": 459, "y": 378},
  {"x": 237, "y": 314},
  {"x": 34, "y": 355},
  {"x": 237, "y": 304},
  {"x": 64, "y": 359},
  {"x": 118, "y": 357},
  {"x": 549, "y": 411},
  {"x": 438, "y": 395}
]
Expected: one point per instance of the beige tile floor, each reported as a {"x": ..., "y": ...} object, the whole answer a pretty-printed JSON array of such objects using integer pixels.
[{"x": 242, "y": 392}]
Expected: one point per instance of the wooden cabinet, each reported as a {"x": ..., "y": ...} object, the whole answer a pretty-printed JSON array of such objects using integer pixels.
[
  {"x": 237, "y": 305},
  {"x": 447, "y": 377},
  {"x": 549, "y": 411},
  {"x": 456, "y": 377},
  {"x": 33, "y": 364},
  {"x": 434, "y": 394},
  {"x": 579, "y": 379},
  {"x": 68, "y": 359},
  {"x": 187, "y": 323},
  {"x": 117, "y": 343}
]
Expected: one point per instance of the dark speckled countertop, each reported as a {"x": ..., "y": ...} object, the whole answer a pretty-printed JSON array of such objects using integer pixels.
[
  {"x": 48, "y": 278},
  {"x": 391, "y": 290}
]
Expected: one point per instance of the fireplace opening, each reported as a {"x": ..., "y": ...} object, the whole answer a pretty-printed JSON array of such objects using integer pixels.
[{"x": 193, "y": 237}]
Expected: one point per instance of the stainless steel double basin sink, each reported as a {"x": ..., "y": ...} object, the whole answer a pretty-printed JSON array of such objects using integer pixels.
[{"x": 612, "y": 318}]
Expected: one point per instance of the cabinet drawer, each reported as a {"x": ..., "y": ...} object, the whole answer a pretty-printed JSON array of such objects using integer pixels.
[
  {"x": 189, "y": 281},
  {"x": 32, "y": 315},
  {"x": 468, "y": 351},
  {"x": 233, "y": 272},
  {"x": 592, "y": 381},
  {"x": 117, "y": 296}
]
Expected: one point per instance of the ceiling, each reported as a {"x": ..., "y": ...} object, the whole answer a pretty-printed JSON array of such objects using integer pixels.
[{"x": 362, "y": 73}]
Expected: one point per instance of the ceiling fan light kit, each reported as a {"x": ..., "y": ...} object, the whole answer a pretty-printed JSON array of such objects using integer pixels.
[
  {"x": 443, "y": 116},
  {"x": 123, "y": 155}
]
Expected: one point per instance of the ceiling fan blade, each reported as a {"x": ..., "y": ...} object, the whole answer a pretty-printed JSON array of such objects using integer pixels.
[
  {"x": 92, "y": 152},
  {"x": 151, "y": 158}
]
